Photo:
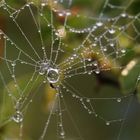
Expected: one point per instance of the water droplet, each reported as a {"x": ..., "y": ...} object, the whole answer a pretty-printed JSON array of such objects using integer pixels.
[
  {"x": 74, "y": 55},
  {"x": 89, "y": 112},
  {"x": 15, "y": 85},
  {"x": 61, "y": 32},
  {"x": 62, "y": 133},
  {"x": 71, "y": 58},
  {"x": 52, "y": 75},
  {"x": 97, "y": 71},
  {"x": 119, "y": 100},
  {"x": 41, "y": 72},
  {"x": 88, "y": 100},
  {"x": 67, "y": 90},
  {"x": 94, "y": 27},
  {"x": 60, "y": 125},
  {"x": 95, "y": 63},
  {"x": 68, "y": 13},
  {"x": 44, "y": 81},
  {"x": 138, "y": 78},
  {"x": 60, "y": 114},
  {"x": 96, "y": 115},
  {"x": 95, "y": 38},
  {"x": 13, "y": 76},
  {"x": 89, "y": 59},
  {"x": 43, "y": 4},
  {"x": 55, "y": 1},
  {"x": 123, "y": 15},
  {"x": 123, "y": 51},
  {"x": 112, "y": 31},
  {"x": 11, "y": 16},
  {"x": 112, "y": 44},
  {"x": 94, "y": 45},
  {"x": 73, "y": 95},
  {"x": 90, "y": 72},
  {"x": 27, "y": 5},
  {"x": 107, "y": 123},
  {"x": 12, "y": 43},
  {"x": 41, "y": 14},
  {"x": 43, "y": 68},
  {"x": 60, "y": 14},
  {"x": 13, "y": 64},
  {"x": 104, "y": 49},
  {"x": 18, "y": 117},
  {"x": 99, "y": 24},
  {"x": 31, "y": 101}
]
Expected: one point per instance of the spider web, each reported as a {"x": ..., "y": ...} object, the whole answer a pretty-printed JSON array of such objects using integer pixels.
[{"x": 48, "y": 60}]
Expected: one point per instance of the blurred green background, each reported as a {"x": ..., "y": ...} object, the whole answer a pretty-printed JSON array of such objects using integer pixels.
[{"x": 78, "y": 124}]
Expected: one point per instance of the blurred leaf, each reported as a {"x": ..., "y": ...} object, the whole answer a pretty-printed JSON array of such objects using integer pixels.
[{"x": 129, "y": 76}]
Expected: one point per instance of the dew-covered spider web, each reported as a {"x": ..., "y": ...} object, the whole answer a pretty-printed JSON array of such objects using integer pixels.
[{"x": 63, "y": 69}]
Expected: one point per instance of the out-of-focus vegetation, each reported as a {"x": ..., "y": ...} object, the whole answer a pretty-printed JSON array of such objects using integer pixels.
[{"x": 119, "y": 77}]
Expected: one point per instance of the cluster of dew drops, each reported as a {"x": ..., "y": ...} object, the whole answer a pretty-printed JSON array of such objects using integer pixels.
[{"x": 53, "y": 73}]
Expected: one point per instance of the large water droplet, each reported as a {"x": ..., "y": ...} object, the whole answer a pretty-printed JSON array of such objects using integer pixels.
[
  {"x": 18, "y": 117},
  {"x": 52, "y": 75}
]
